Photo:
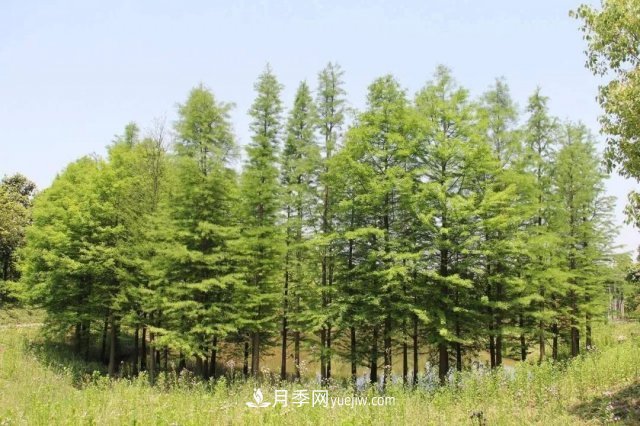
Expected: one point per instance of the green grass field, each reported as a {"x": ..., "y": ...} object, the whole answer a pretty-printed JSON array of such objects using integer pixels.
[{"x": 39, "y": 386}]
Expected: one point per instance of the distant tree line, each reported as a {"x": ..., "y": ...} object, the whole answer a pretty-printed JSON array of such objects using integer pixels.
[{"x": 436, "y": 223}]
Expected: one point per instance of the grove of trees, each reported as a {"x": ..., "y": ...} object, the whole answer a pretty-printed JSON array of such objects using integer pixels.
[{"x": 436, "y": 223}]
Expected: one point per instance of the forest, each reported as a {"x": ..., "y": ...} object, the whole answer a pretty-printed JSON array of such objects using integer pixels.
[
  {"x": 423, "y": 237},
  {"x": 435, "y": 222}
]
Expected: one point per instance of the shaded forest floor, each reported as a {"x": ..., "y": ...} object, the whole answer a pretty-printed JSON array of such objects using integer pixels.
[{"x": 41, "y": 384}]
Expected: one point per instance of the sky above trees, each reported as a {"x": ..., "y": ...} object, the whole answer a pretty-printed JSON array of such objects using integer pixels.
[{"x": 73, "y": 73}]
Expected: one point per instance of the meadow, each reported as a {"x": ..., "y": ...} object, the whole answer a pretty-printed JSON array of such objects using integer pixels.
[{"x": 42, "y": 384}]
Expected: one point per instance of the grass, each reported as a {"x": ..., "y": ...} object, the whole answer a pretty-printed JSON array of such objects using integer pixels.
[{"x": 40, "y": 385}]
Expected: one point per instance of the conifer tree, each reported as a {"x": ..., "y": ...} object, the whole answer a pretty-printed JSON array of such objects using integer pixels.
[
  {"x": 300, "y": 171},
  {"x": 262, "y": 240},
  {"x": 331, "y": 116}
]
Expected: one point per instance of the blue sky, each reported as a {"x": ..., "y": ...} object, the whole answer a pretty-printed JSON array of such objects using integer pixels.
[{"x": 73, "y": 73}]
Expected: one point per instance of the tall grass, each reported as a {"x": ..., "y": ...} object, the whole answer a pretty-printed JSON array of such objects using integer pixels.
[{"x": 38, "y": 386}]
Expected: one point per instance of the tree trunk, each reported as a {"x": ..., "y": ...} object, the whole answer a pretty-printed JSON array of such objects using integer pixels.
[
  {"x": 405, "y": 357},
  {"x": 214, "y": 360},
  {"x": 103, "y": 348},
  {"x": 541, "y": 341},
  {"x": 354, "y": 359},
  {"x": 283, "y": 362},
  {"x": 136, "y": 351},
  {"x": 523, "y": 342},
  {"x": 87, "y": 339},
  {"x": 458, "y": 346},
  {"x": 323, "y": 345},
  {"x": 245, "y": 367},
  {"x": 588, "y": 342},
  {"x": 373, "y": 375},
  {"x": 152, "y": 359},
  {"x": 255, "y": 354},
  {"x": 296, "y": 353},
  {"x": 387, "y": 352},
  {"x": 415, "y": 351},
  {"x": 112, "y": 346},
  {"x": 443, "y": 362},
  {"x": 143, "y": 355},
  {"x": 328, "y": 351},
  {"x": 492, "y": 350},
  {"x": 554, "y": 344}
]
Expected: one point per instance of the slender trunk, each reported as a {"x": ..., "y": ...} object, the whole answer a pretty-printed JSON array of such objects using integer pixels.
[
  {"x": 285, "y": 306},
  {"x": 136, "y": 350},
  {"x": 541, "y": 341},
  {"x": 143, "y": 355},
  {"x": 245, "y": 367},
  {"x": 588, "y": 342},
  {"x": 112, "y": 346},
  {"x": 103, "y": 348},
  {"x": 387, "y": 352},
  {"x": 415, "y": 351},
  {"x": 283, "y": 362},
  {"x": 405, "y": 356},
  {"x": 323, "y": 363},
  {"x": 443, "y": 362},
  {"x": 354, "y": 366},
  {"x": 554, "y": 343},
  {"x": 373, "y": 375},
  {"x": 152, "y": 359},
  {"x": 255, "y": 354},
  {"x": 214, "y": 360},
  {"x": 499, "y": 349},
  {"x": 492, "y": 351},
  {"x": 458, "y": 348},
  {"x": 296, "y": 353},
  {"x": 328, "y": 375},
  {"x": 523, "y": 341}
]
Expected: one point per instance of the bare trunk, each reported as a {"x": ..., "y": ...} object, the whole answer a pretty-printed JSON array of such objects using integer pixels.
[
  {"x": 373, "y": 375},
  {"x": 255, "y": 354},
  {"x": 112, "y": 346},
  {"x": 387, "y": 352},
  {"x": 152, "y": 359},
  {"x": 214, "y": 360},
  {"x": 296, "y": 353},
  {"x": 443, "y": 362},
  {"x": 136, "y": 350},
  {"x": 415, "y": 351}
]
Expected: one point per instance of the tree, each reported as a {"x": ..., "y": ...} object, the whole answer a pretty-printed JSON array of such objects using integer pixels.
[
  {"x": 331, "y": 115},
  {"x": 300, "y": 170},
  {"x": 380, "y": 143},
  {"x": 261, "y": 205},
  {"x": 504, "y": 206},
  {"x": 582, "y": 221},
  {"x": 200, "y": 260},
  {"x": 446, "y": 209},
  {"x": 543, "y": 271},
  {"x": 16, "y": 194}
]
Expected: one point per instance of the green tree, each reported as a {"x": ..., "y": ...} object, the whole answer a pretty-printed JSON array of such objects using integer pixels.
[
  {"x": 300, "y": 171},
  {"x": 262, "y": 242},
  {"x": 331, "y": 116}
]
